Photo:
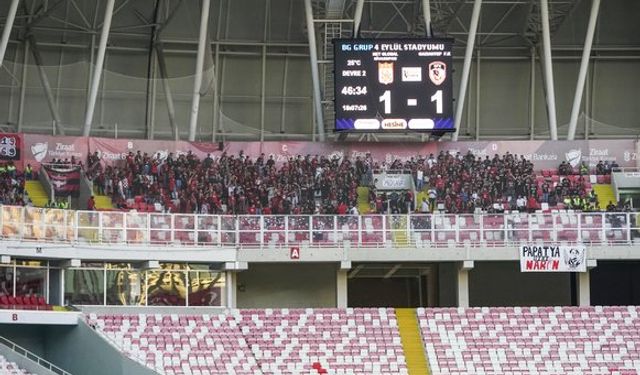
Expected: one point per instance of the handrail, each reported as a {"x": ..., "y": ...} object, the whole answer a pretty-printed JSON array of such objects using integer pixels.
[
  {"x": 278, "y": 231},
  {"x": 32, "y": 357}
]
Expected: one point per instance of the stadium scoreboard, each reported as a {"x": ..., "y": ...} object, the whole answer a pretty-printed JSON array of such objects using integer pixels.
[{"x": 386, "y": 85}]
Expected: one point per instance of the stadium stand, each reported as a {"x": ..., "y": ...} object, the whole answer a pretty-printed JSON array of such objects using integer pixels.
[
  {"x": 527, "y": 340},
  {"x": 306, "y": 185},
  {"x": 268, "y": 341}
]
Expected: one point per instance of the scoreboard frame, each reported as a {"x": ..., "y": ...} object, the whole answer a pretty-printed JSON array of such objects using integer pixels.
[{"x": 392, "y": 85}]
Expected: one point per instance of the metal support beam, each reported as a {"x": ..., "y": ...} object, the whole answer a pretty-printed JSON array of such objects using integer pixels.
[
  {"x": 97, "y": 73},
  {"x": 426, "y": 11},
  {"x": 466, "y": 68},
  {"x": 357, "y": 18},
  {"x": 548, "y": 69},
  {"x": 23, "y": 83},
  {"x": 197, "y": 85},
  {"x": 167, "y": 91},
  {"x": 315, "y": 75},
  {"x": 584, "y": 67},
  {"x": 392, "y": 271},
  {"x": 152, "y": 74},
  {"x": 478, "y": 77},
  {"x": 45, "y": 84},
  {"x": 532, "y": 95},
  {"x": 263, "y": 70},
  {"x": 8, "y": 26}
]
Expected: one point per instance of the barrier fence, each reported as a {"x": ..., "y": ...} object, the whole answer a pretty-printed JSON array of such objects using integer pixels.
[{"x": 415, "y": 230}]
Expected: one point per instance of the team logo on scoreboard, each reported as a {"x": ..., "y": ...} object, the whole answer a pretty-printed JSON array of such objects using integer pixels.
[
  {"x": 437, "y": 72},
  {"x": 385, "y": 73}
]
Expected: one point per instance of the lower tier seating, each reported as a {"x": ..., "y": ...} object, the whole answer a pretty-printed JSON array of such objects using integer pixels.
[
  {"x": 532, "y": 340},
  {"x": 11, "y": 368},
  {"x": 267, "y": 341}
]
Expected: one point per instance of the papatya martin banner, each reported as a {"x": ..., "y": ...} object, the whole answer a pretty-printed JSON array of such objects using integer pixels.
[{"x": 551, "y": 258}]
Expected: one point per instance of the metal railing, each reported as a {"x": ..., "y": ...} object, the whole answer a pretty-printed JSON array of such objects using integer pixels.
[
  {"x": 32, "y": 357},
  {"x": 273, "y": 231}
]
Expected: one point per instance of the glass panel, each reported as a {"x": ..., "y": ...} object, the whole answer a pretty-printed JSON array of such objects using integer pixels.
[
  {"x": 616, "y": 227},
  {"x": 372, "y": 229},
  {"x": 566, "y": 226},
  {"x": 274, "y": 232},
  {"x": 184, "y": 229},
  {"x": 84, "y": 287},
  {"x": 30, "y": 281},
  {"x": 348, "y": 229},
  {"x": 206, "y": 288},
  {"x": 88, "y": 222},
  {"x": 323, "y": 229},
  {"x": 54, "y": 224},
  {"x": 250, "y": 229},
  {"x": 160, "y": 225},
  {"x": 228, "y": 230},
  {"x": 112, "y": 227},
  {"x": 6, "y": 281},
  {"x": 125, "y": 287},
  {"x": 518, "y": 228},
  {"x": 493, "y": 229},
  {"x": 11, "y": 221},
  {"x": 468, "y": 228},
  {"x": 421, "y": 230},
  {"x": 207, "y": 229},
  {"x": 298, "y": 228},
  {"x": 137, "y": 227},
  {"x": 444, "y": 229},
  {"x": 33, "y": 228},
  {"x": 591, "y": 228},
  {"x": 167, "y": 286}
]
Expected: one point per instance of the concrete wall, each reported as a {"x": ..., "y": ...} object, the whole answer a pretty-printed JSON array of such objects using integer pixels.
[
  {"x": 287, "y": 285},
  {"x": 68, "y": 347},
  {"x": 63, "y": 342},
  {"x": 502, "y": 284}
]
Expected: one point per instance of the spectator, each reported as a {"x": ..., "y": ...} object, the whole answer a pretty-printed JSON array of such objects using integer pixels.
[{"x": 91, "y": 203}]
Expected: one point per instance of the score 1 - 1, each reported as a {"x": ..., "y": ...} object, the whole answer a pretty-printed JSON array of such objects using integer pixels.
[{"x": 386, "y": 98}]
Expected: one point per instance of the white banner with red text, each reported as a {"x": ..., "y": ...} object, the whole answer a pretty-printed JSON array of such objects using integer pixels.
[{"x": 553, "y": 258}]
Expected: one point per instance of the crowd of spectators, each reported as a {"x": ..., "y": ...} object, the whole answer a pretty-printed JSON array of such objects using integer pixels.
[
  {"x": 238, "y": 184},
  {"x": 602, "y": 168},
  {"x": 232, "y": 184},
  {"x": 462, "y": 183},
  {"x": 11, "y": 184}
]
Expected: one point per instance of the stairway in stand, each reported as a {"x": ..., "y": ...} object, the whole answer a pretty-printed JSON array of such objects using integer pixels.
[
  {"x": 412, "y": 345},
  {"x": 36, "y": 192},
  {"x": 605, "y": 194},
  {"x": 397, "y": 225},
  {"x": 363, "y": 200},
  {"x": 103, "y": 202}
]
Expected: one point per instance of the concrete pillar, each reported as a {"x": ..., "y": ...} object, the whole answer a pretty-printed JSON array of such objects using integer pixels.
[
  {"x": 341, "y": 289},
  {"x": 232, "y": 289},
  {"x": 463, "y": 283},
  {"x": 342, "y": 299},
  {"x": 584, "y": 284}
]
